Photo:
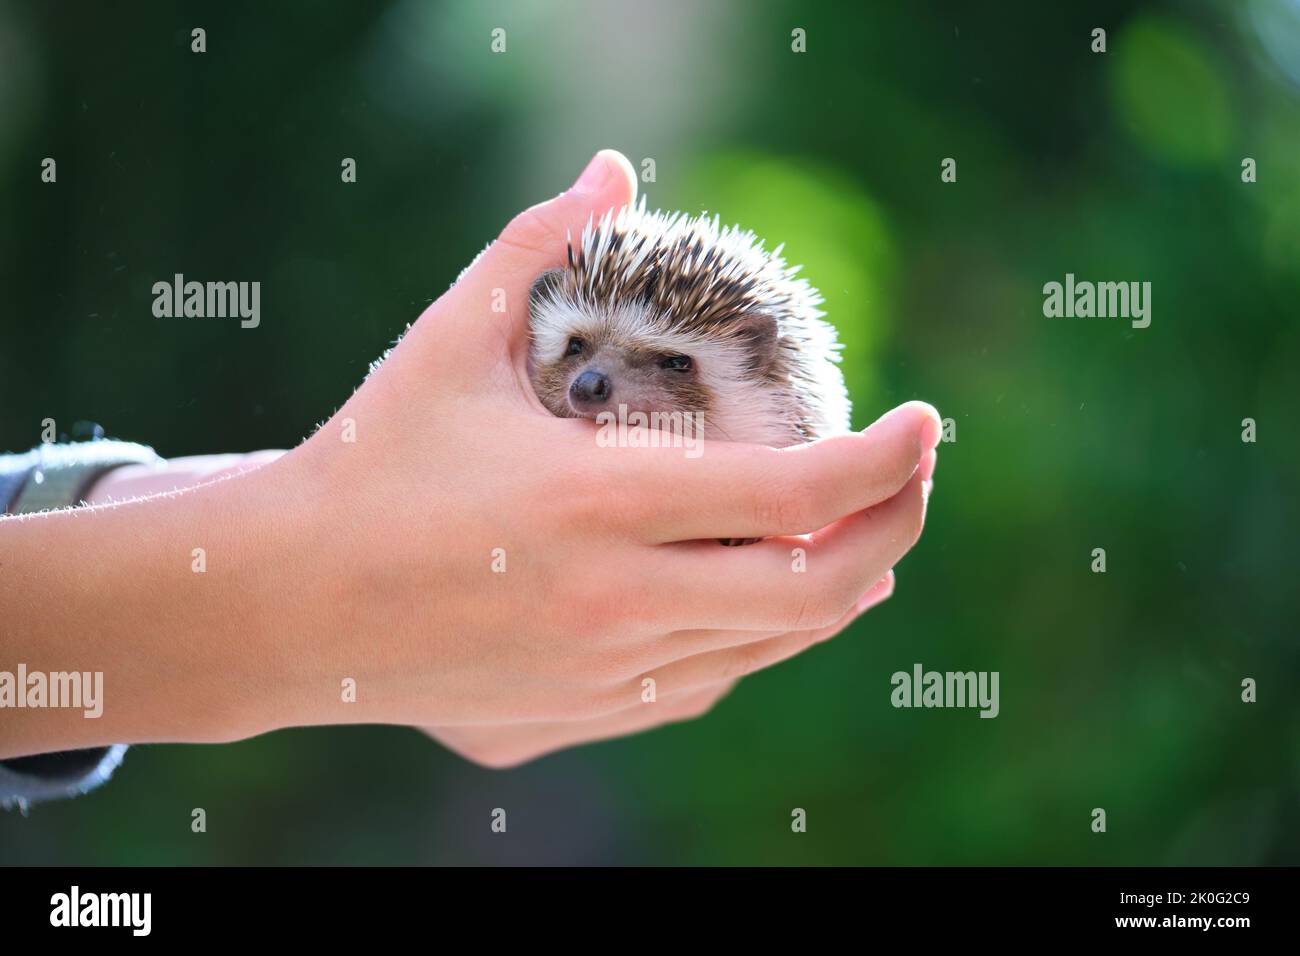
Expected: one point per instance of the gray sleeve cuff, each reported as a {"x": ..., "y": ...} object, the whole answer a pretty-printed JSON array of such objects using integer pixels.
[
  {"x": 59, "y": 476},
  {"x": 69, "y": 773},
  {"x": 48, "y": 477}
]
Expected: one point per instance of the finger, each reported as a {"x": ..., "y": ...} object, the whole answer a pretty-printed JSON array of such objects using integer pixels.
[
  {"x": 689, "y": 643},
  {"x": 790, "y": 584},
  {"x": 733, "y": 663},
  {"x": 509, "y": 745},
  {"x": 536, "y": 240},
  {"x": 750, "y": 491},
  {"x": 928, "y": 461}
]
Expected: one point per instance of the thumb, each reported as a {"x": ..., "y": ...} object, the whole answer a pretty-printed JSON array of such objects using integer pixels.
[{"x": 536, "y": 240}]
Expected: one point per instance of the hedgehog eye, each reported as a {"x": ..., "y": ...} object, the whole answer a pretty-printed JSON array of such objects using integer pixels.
[
  {"x": 676, "y": 363},
  {"x": 574, "y": 347}
]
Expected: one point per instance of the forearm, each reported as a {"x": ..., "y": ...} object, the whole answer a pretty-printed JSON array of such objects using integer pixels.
[
  {"x": 185, "y": 654},
  {"x": 139, "y": 481}
]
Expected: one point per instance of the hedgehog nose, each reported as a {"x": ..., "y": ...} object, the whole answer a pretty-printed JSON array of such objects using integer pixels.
[{"x": 591, "y": 388}]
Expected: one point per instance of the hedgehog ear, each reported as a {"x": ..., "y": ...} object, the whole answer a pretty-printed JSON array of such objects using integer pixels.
[
  {"x": 545, "y": 286},
  {"x": 757, "y": 332}
]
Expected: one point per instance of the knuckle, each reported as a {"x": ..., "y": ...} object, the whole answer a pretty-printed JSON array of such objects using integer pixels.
[
  {"x": 696, "y": 708},
  {"x": 556, "y": 504},
  {"x": 505, "y": 760},
  {"x": 531, "y": 231},
  {"x": 594, "y": 611},
  {"x": 738, "y": 662},
  {"x": 619, "y": 613},
  {"x": 586, "y": 493},
  {"x": 899, "y": 467},
  {"x": 484, "y": 755},
  {"x": 783, "y": 508},
  {"x": 843, "y": 591},
  {"x": 818, "y": 609}
]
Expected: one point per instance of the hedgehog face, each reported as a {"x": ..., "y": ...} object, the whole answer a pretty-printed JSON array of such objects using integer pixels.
[
  {"x": 664, "y": 313},
  {"x": 597, "y": 369},
  {"x": 588, "y": 360}
]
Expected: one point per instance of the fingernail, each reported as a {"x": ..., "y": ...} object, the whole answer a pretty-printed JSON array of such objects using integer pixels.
[
  {"x": 593, "y": 177},
  {"x": 926, "y": 488}
]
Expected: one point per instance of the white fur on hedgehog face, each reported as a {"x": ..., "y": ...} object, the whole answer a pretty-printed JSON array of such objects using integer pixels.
[{"x": 627, "y": 346}]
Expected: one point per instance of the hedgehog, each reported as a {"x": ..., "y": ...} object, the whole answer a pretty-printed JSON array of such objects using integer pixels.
[{"x": 661, "y": 312}]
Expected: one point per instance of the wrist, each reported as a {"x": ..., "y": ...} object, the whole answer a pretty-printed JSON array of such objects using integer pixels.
[
  {"x": 247, "y": 599},
  {"x": 177, "y": 601},
  {"x": 164, "y": 475}
]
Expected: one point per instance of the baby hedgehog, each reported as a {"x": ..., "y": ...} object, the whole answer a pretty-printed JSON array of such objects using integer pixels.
[{"x": 664, "y": 313}]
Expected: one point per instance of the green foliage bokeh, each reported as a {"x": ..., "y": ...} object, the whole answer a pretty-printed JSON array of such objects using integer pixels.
[{"x": 1118, "y": 690}]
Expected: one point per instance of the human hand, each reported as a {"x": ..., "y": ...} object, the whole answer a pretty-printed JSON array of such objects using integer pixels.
[
  {"x": 496, "y": 745},
  {"x": 507, "y": 745},
  {"x": 609, "y": 571},
  {"x": 475, "y": 565}
]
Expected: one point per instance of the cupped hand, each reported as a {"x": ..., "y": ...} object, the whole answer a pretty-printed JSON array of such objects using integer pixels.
[{"x": 489, "y": 572}]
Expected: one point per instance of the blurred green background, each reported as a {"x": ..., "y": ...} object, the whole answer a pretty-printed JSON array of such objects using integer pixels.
[{"x": 1118, "y": 690}]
